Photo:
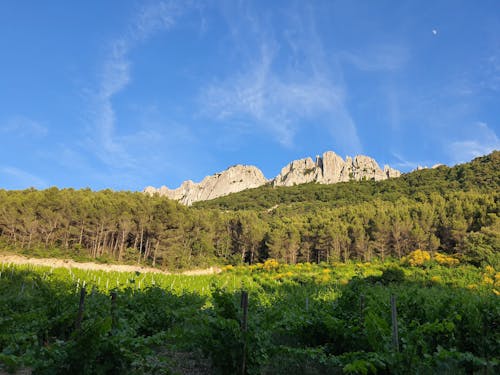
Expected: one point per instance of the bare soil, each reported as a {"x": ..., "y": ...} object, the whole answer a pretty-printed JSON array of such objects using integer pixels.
[{"x": 68, "y": 263}]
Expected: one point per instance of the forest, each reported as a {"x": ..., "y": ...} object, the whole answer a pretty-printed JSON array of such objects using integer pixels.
[{"x": 450, "y": 210}]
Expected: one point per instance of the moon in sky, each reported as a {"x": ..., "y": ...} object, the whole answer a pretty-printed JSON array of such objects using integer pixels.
[{"x": 434, "y": 31}]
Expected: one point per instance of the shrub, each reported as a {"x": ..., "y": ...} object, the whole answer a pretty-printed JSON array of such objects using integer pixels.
[
  {"x": 270, "y": 265},
  {"x": 392, "y": 275},
  {"x": 417, "y": 258},
  {"x": 445, "y": 260}
]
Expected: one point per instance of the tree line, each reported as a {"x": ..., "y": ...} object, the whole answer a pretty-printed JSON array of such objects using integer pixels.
[{"x": 452, "y": 215}]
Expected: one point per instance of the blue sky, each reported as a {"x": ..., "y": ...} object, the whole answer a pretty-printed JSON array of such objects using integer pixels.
[{"x": 125, "y": 94}]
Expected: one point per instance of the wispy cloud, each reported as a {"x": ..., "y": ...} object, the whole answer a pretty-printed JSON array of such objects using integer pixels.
[
  {"x": 276, "y": 104},
  {"x": 491, "y": 72},
  {"x": 384, "y": 57},
  {"x": 116, "y": 75},
  {"x": 483, "y": 142},
  {"x": 15, "y": 178},
  {"x": 267, "y": 99},
  {"x": 483, "y": 80},
  {"x": 278, "y": 95},
  {"x": 22, "y": 126}
]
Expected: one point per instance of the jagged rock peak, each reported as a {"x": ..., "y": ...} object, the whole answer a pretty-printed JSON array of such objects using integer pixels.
[
  {"x": 232, "y": 180},
  {"x": 326, "y": 169},
  {"x": 331, "y": 168}
]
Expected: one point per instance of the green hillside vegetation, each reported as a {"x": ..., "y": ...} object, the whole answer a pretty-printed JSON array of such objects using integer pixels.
[{"x": 450, "y": 210}]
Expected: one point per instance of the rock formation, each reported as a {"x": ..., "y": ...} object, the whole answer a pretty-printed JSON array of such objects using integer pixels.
[
  {"x": 232, "y": 180},
  {"x": 327, "y": 169},
  {"x": 331, "y": 168}
]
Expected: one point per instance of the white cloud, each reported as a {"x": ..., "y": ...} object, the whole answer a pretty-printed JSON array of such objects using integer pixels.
[
  {"x": 156, "y": 17},
  {"x": 481, "y": 143},
  {"x": 116, "y": 75},
  {"x": 15, "y": 178},
  {"x": 280, "y": 103},
  {"x": 386, "y": 57},
  {"x": 491, "y": 72},
  {"x": 22, "y": 126}
]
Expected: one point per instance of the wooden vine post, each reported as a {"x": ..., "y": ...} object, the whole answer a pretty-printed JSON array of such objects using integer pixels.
[
  {"x": 244, "y": 326},
  {"x": 362, "y": 307},
  {"x": 81, "y": 305},
  {"x": 394, "y": 318},
  {"x": 113, "y": 311}
]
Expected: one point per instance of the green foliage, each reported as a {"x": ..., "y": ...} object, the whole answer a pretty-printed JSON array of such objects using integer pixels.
[
  {"x": 392, "y": 275},
  {"x": 299, "y": 321}
]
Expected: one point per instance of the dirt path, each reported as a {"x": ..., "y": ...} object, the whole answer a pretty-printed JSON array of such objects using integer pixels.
[{"x": 68, "y": 263}]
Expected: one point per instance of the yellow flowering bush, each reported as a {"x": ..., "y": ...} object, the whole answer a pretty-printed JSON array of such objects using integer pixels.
[
  {"x": 487, "y": 280},
  {"x": 489, "y": 270},
  {"x": 270, "y": 265},
  {"x": 417, "y": 258},
  {"x": 436, "y": 279},
  {"x": 445, "y": 260},
  {"x": 229, "y": 267},
  {"x": 281, "y": 276},
  {"x": 307, "y": 265},
  {"x": 324, "y": 279}
]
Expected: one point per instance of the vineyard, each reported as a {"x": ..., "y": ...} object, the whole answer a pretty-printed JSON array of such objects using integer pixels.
[{"x": 421, "y": 315}]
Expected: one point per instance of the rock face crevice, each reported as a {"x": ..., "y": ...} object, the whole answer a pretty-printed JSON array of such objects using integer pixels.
[{"x": 326, "y": 169}]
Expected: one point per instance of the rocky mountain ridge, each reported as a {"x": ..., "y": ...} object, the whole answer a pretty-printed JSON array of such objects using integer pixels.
[{"x": 326, "y": 169}]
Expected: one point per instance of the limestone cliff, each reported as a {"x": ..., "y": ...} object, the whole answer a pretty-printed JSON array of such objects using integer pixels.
[
  {"x": 331, "y": 168},
  {"x": 232, "y": 180},
  {"x": 327, "y": 169}
]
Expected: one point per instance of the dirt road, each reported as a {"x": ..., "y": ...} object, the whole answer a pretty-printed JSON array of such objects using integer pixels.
[{"x": 68, "y": 263}]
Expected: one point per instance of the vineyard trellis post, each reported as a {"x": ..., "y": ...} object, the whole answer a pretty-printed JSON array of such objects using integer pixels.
[
  {"x": 394, "y": 319},
  {"x": 244, "y": 326},
  {"x": 81, "y": 305},
  {"x": 113, "y": 311},
  {"x": 362, "y": 306}
]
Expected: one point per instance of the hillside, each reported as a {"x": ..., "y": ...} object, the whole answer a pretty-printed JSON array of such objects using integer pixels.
[
  {"x": 481, "y": 174},
  {"x": 453, "y": 210}
]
